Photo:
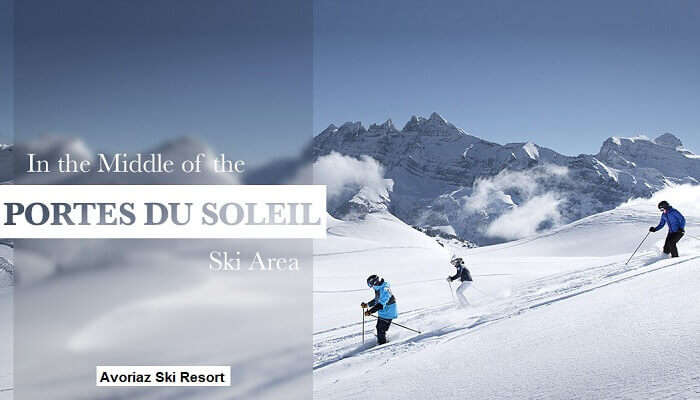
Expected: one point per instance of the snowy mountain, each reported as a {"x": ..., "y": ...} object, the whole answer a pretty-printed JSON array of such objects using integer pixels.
[
  {"x": 556, "y": 315},
  {"x": 7, "y": 269},
  {"x": 7, "y": 160},
  {"x": 49, "y": 148},
  {"x": 487, "y": 192},
  {"x": 52, "y": 148}
]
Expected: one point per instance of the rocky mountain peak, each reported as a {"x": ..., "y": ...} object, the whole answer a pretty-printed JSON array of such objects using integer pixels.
[
  {"x": 668, "y": 140},
  {"x": 385, "y": 128},
  {"x": 413, "y": 124},
  {"x": 331, "y": 128},
  {"x": 435, "y": 125},
  {"x": 352, "y": 129},
  {"x": 437, "y": 118}
]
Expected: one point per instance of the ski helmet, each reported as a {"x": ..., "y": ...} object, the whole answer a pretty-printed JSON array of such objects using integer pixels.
[
  {"x": 664, "y": 205},
  {"x": 373, "y": 280},
  {"x": 456, "y": 260}
]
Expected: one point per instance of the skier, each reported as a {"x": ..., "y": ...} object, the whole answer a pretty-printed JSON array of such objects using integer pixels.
[
  {"x": 384, "y": 302},
  {"x": 464, "y": 276},
  {"x": 676, "y": 227}
]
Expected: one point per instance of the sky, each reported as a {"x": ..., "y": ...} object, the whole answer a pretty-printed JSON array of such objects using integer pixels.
[
  {"x": 258, "y": 78},
  {"x": 6, "y": 75},
  {"x": 563, "y": 74},
  {"x": 128, "y": 75}
]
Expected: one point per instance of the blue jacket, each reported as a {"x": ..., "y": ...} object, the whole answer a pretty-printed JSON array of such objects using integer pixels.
[
  {"x": 675, "y": 220},
  {"x": 384, "y": 301}
]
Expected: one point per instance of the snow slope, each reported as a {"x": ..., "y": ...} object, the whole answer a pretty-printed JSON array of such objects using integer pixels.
[
  {"x": 6, "y": 317},
  {"x": 556, "y": 315},
  {"x": 155, "y": 302},
  {"x": 81, "y": 303}
]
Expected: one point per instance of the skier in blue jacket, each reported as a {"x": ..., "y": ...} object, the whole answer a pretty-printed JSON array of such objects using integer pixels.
[
  {"x": 384, "y": 302},
  {"x": 676, "y": 227}
]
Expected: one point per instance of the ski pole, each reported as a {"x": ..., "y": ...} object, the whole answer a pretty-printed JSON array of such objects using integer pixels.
[
  {"x": 363, "y": 326},
  {"x": 635, "y": 250},
  {"x": 450, "y": 283},
  {"x": 396, "y": 323}
]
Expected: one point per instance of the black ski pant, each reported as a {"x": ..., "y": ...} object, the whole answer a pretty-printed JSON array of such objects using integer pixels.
[
  {"x": 382, "y": 326},
  {"x": 670, "y": 244}
]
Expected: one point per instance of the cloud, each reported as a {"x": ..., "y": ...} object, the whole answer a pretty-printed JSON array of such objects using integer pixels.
[
  {"x": 345, "y": 176},
  {"x": 526, "y": 219},
  {"x": 683, "y": 197},
  {"x": 524, "y": 201},
  {"x": 524, "y": 184}
]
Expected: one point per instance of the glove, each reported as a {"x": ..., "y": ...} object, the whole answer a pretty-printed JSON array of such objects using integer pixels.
[
  {"x": 652, "y": 229},
  {"x": 367, "y": 313},
  {"x": 363, "y": 305},
  {"x": 448, "y": 279}
]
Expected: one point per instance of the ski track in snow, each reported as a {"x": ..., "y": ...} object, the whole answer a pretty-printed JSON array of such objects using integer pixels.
[
  {"x": 335, "y": 345},
  {"x": 398, "y": 285},
  {"x": 571, "y": 265}
]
